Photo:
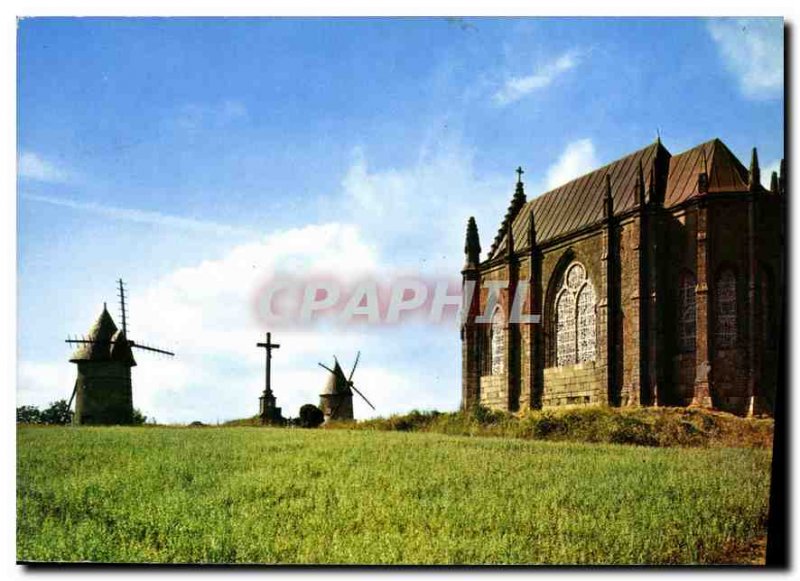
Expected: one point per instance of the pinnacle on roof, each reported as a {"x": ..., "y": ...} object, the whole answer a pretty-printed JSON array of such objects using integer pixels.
[
  {"x": 755, "y": 172},
  {"x": 652, "y": 191},
  {"x": 531, "y": 229},
  {"x": 510, "y": 242},
  {"x": 518, "y": 200},
  {"x": 472, "y": 244},
  {"x": 608, "y": 201},
  {"x": 773, "y": 183},
  {"x": 640, "y": 186}
]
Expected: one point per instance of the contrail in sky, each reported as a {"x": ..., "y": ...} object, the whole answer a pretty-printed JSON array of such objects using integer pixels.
[{"x": 141, "y": 216}]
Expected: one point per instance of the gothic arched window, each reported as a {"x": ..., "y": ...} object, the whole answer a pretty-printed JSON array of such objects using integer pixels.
[
  {"x": 498, "y": 342},
  {"x": 687, "y": 319},
  {"x": 725, "y": 298},
  {"x": 575, "y": 321},
  {"x": 565, "y": 328},
  {"x": 586, "y": 324}
]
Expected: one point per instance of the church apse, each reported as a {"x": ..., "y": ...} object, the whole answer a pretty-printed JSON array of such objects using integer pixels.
[{"x": 653, "y": 276}]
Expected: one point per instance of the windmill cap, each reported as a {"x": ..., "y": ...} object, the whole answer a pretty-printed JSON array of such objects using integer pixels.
[
  {"x": 336, "y": 383},
  {"x": 121, "y": 349},
  {"x": 102, "y": 331}
]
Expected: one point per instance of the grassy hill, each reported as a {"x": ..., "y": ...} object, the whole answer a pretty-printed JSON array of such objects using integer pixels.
[
  {"x": 264, "y": 495},
  {"x": 646, "y": 426}
]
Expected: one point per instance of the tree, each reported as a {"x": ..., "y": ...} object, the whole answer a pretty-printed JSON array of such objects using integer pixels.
[
  {"x": 310, "y": 416},
  {"x": 29, "y": 414},
  {"x": 138, "y": 417},
  {"x": 58, "y": 414}
]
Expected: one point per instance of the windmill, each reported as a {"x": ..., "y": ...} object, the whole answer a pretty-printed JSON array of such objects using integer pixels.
[
  {"x": 103, "y": 391},
  {"x": 336, "y": 400}
]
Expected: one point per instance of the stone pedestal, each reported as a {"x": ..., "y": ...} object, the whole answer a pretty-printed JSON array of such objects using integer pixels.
[{"x": 268, "y": 412}]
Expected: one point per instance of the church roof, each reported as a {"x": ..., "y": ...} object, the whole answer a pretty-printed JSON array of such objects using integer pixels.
[
  {"x": 579, "y": 203},
  {"x": 725, "y": 172}
]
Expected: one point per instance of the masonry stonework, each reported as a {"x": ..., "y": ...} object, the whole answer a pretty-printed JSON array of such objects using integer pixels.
[{"x": 675, "y": 302}]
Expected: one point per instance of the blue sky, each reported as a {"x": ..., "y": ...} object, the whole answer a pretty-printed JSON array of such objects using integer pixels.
[{"x": 193, "y": 157}]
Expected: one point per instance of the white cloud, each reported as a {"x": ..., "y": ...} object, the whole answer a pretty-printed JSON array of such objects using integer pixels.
[
  {"x": 515, "y": 88},
  {"x": 752, "y": 49},
  {"x": 41, "y": 382},
  {"x": 578, "y": 158},
  {"x": 206, "y": 314},
  {"x": 31, "y": 166},
  {"x": 139, "y": 216},
  {"x": 410, "y": 217},
  {"x": 419, "y": 212}
]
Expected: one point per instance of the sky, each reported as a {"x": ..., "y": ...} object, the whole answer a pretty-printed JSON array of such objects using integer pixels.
[{"x": 197, "y": 158}]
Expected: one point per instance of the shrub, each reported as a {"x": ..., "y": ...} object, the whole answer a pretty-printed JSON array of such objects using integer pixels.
[
  {"x": 631, "y": 430},
  {"x": 29, "y": 414},
  {"x": 594, "y": 424},
  {"x": 310, "y": 416},
  {"x": 485, "y": 416},
  {"x": 138, "y": 418},
  {"x": 58, "y": 414}
]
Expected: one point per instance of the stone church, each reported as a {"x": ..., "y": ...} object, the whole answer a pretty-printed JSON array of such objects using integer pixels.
[{"x": 659, "y": 280}]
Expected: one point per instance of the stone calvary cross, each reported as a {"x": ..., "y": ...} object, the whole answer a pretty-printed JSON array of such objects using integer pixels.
[{"x": 268, "y": 412}]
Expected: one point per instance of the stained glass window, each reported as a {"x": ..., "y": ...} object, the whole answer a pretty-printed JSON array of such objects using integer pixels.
[
  {"x": 586, "y": 324},
  {"x": 575, "y": 277},
  {"x": 565, "y": 328},
  {"x": 687, "y": 321},
  {"x": 498, "y": 342},
  {"x": 575, "y": 321},
  {"x": 726, "y": 310}
]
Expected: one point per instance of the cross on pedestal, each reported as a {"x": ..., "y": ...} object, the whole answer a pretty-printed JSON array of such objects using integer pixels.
[
  {"x": 268, "y": 410},
  {"x": 519, "y": 171}
]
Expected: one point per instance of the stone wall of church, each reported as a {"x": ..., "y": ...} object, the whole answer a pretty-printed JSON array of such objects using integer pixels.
[
  {"x": 769, "y": 256},
  {"x": 494, "y": 386},
  {"x": 629, "y": 308},
  {"x": 525, "y": 334},
  {"x": 680, "y": 246},
  {"x": 730, "y": 370},
  {"x": 494, "y": 391},
  {"x": 587, "y": 382},
  {"x": 582, "y": 383}
]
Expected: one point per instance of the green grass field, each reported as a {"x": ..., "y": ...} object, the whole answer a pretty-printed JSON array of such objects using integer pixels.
[{"x": 258, "y": 495}]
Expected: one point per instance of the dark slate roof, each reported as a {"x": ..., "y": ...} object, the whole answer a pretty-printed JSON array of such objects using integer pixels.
[
  {"x": 579, "y": 203},
  {"x": 725, "y": 172}
]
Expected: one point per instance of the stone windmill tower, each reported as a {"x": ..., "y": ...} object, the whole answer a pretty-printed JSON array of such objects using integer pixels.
[
  {"x": 336, "y": 399},
  {"x": 103, "y": 390}
]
